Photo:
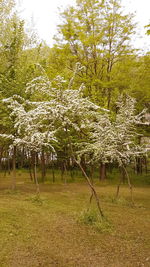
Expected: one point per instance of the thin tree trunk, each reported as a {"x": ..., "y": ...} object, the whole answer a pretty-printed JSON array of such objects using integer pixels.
[
  {"x": 71, "y": 165},
  {"x": 118, "y": 186},
  {"x": 145, "y": 161},
  {"x": 90, "y": 201},
  {"x": 129, "y": 184},
  {"x": 14, "y": 169},
  {"x": 29, "y": 157},
  {"x": 35, "y": 175},
  {"x": 30, "y": 172},
  {"x": 22, "y": 158},
  {"x": 92, "y": 189},
  {"x": 88, "y": 181},
  {"x": 1, "y": 155},
  {"x": 32, "y": 165},
  {"x": 109, "y": 98},
  {"x": 53, "y": 169},
  {"x": 83, "y": 163},
  {"x": 43, "y": 166}
]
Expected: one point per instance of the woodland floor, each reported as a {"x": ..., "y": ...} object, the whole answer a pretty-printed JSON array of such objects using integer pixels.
[{"x": 46, "y": 232}]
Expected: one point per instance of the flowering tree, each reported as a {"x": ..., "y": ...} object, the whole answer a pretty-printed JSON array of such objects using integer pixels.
[
  {"x": 127, "y": 148},
  {"x": 32, "y": 131},
  {"x": 115, "y": 141}
]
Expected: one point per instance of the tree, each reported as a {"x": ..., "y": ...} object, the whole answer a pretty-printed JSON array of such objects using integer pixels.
[
  {"x": 98, "y": 36},
  {"x": 15, "y": 62},
  {"x": 6, "y": 13},
  {"x": 140, "y": 81},
  {"x": 115, "y": 141},
  {"x": 31, "y": 131}
]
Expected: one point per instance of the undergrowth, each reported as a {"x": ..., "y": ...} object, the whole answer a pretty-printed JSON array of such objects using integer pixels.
[{"x": 92, "y": 218}]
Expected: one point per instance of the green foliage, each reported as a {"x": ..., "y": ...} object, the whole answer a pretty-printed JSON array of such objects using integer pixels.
[
  {"x": 89, "y": 217},
  {"x": 16, "y": 60},
  {"x": 141, "y": 80},
  {"x": 97, "y": 35},
  {"x": 92, "y": 218}
]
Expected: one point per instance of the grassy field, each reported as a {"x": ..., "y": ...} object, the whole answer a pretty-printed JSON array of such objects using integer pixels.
[{"x": 49, "y": 232}]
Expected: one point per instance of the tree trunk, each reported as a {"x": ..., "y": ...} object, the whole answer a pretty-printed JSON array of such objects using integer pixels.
[
  {"x": 71, "y": 166},
  {"x": 123, "y": 176},
  {"x": 14, "y": 169},
  {"x": 8, "y": 164},
  {"x": 53, "y": 168},
  {"x": 92, "y": 190},
  {"x": 22, "y": 158},
  {"x": 145, "y": 161},
  {"x": 120, "y": 181},
  {"x": 43, "y": 167},
  {"x": 129, "y": 184},
  {"x": 102, "y": 176},
  {"x": 35, "y": 175},
  {"x": 139, "y": 166},
  {"x": 83, "y": 163},
  {"x": 1, "y": 155},
  {"x": 29, "y": 157},
  {"x": 32, "y": 165},
  {"x": 63, "y": 171}
]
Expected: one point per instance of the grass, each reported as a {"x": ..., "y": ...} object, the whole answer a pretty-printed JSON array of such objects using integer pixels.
[
  {"x": 92, "y": 217},
  {"x": 57, "y": 230}
]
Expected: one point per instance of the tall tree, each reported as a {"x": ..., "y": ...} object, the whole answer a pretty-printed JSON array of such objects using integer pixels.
[{"x": 97, "y": 34}]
